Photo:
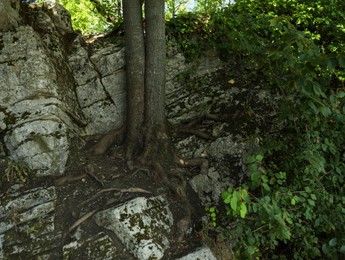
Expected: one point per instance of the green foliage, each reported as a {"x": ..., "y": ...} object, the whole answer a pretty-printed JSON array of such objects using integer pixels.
[
  {"x": 292, "y": 205},
  {"x": 175, "y": 7},
  {"x": 16, "y": 171},
  {"x": 210, "y": 6},
  {"x": 93, "y": 16},
  {"x": 191, "y": 33},
  {"x": 212, "y": 215}
]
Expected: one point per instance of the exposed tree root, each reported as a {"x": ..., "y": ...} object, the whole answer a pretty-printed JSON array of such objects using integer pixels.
[
  {"x": 200, "y": 118},
  {"x": 159, "y": 156},
  {"x": 188, "y": 128},
  {"x": 200, "y": 162},
  {"x": 89, "y": 214},
  {"x": 115, "y": 136},
  {"x": 195, "y": 132}
]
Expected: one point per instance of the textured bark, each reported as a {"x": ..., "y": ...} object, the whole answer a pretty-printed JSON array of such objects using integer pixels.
[
  {"x": 155, "y": 65},
  {"x": 135, "y": 68}
]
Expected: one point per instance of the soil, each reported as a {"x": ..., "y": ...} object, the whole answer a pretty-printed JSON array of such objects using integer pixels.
[{"x": 86, "y": 187}]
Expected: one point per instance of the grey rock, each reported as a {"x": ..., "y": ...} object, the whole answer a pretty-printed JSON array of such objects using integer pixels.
[
  {"x": 36, "y": 106},
  {"x": 102, "y": 117},
  {"x": 9, "y": 16},
  {"x": 90, "y": 93},
  {"x": 100, "y": 247},
  {"x": 83, "y": 69},
  {"x": 202, "y": 253},
  {"x": 27, "y": 222},
  {"x": 109, "y": 60},
  {"x": 142, "y": 224},
  {"x": 225, "y": 146}
]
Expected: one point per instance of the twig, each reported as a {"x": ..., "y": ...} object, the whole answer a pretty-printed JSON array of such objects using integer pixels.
[
  {"x": 89, "y": 214},
  {"x": 90, "y": 171},
  {"x": 69, "y": 178}
]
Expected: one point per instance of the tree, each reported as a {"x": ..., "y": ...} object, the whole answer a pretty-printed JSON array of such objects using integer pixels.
[
  {"x": 146, "y": 129},
  {"x": 147, "y": 142},
  {"x": 173, "y": 7}
]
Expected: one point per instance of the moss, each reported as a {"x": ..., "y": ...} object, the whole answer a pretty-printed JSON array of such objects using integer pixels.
[
  {"x": 30, "y": 238},
  {"x": 98, "y": 247}
]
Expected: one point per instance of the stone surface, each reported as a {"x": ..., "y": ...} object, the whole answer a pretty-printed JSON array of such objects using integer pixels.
[
  {"x": 100, "y": 247},
  {"x": 9, "y": 16},
  {"x": 27, "y": 222},
  {"x": 38, "y": 108},
  {"x": 142, "y": 224},
  {"x": 202, "y": 253}
]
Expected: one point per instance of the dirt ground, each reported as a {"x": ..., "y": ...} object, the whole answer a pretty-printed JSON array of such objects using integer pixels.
[{"x": 103, "y": 181}]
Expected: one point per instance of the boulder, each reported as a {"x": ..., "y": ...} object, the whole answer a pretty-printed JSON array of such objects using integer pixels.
[{"x": 142, "y": 225}]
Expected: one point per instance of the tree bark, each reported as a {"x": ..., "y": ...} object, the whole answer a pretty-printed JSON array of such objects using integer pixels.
[
  {"x": 155, "y": 64},
  {"x": 135, "y": 69}
]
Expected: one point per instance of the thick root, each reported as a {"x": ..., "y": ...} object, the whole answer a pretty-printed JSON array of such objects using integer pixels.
[{"x": 108, "y": 140}]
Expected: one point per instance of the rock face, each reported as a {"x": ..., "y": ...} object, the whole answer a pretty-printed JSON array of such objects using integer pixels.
[
  {"x": 56, "y": 88},
  {"x": 9, "y": 17},
  {"x": 141, "y": 224},
  {"x": 38, "y": 108},
  {"x": 27, "y": 222}
]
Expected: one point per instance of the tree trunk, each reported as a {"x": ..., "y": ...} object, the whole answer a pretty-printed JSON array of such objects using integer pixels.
[
  {"x": 157, "y": 141},
  {"x": 135, "y": 69},
  {"x": 155, "y": 65}
]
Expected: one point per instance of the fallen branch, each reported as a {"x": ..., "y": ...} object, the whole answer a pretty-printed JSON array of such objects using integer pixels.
[
  {"x": 195, "y": 132},
  {"x": 199, "y": 162},
  {"x": 128, "y": 190},
  {"x": 68, "y": 179},
  {"x": 89, "y": 169},
  {"x": 89, "y": 214}
]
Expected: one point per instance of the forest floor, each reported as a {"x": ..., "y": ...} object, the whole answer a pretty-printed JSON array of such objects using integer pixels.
[{"x": 103, "y": 181}]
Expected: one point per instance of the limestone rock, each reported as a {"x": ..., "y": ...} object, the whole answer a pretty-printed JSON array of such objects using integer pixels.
[
  {"x": 142, "y": 225},
  {"x": 9, "y": 16},
  {"x": 99, "y": 247},
  {"x": 35, "y": 105},
  {"x": 27, "y": 222},
  {"x": 202, "y": 253}
]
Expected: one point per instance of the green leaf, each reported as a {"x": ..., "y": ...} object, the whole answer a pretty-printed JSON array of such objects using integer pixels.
[
  {"x": 341, "y": 60},
  {"x": 243, "y": 210},
  {"x": 266, "y": 187},
  {"x": 226, "y": 197},
  {"x": 250, "y": 250},
  {"x": 341, "y": 94},
  {"x": 326, "y": 111},
  {"x": 333, "y": 242},
  {"x": 233, "y": 201},
  {"x": 259, "y": 157},
  {"x": 311, "y": 202},
  {"x": 342, "y": 249},
  {"x": 307, "y": 189},
  {"x": 293, "y": 201},
  {"x": 275, "y": 21}
]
